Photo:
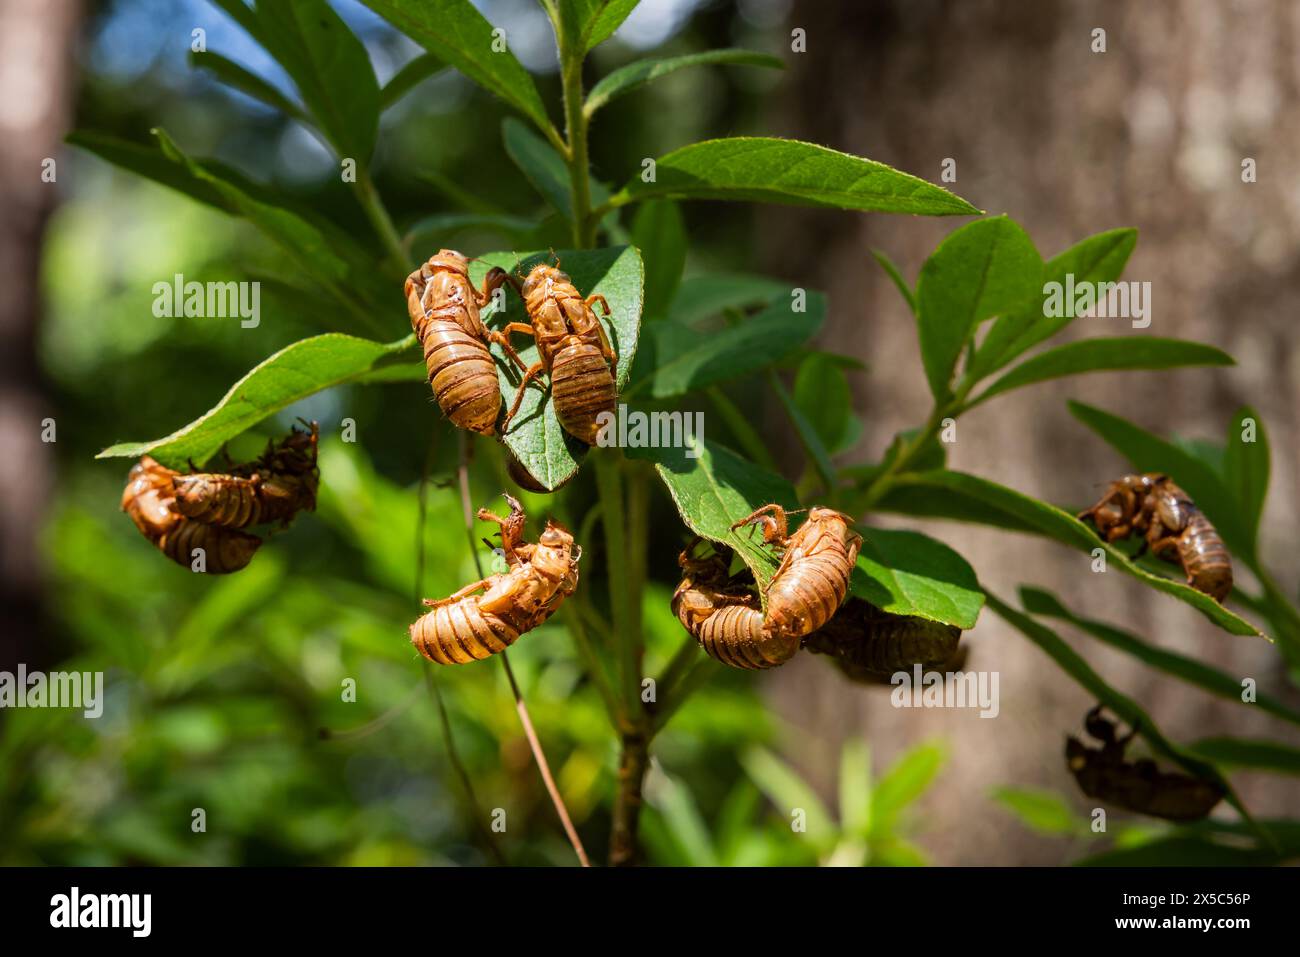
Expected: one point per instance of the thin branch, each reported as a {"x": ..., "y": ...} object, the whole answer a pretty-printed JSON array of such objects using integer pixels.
[
  {"x": 449, "y": 740},
  {"x": 539, "y": 756}
]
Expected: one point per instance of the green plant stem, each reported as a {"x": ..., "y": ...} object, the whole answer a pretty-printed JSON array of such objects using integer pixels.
[
  {"x": 951, "y": 408},
  {"x": 575, "y": 132},
  {"x": 379, "y": 218},
  {"x": 572, "y": 619},
  {"x": 609, "y": 486}
]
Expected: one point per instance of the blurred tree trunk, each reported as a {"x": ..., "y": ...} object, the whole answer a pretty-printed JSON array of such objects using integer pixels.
[
  {"x": 1151, "y": 134},
  {"x": 37, "y": 82}
]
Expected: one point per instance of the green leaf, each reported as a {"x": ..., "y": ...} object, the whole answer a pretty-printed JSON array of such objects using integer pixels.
[
  {"x": 455, "y": 32},
  {"x": 331, "y": 69},
  {"x": 432, "y": 232},
  {"x": 660, "y": 234},
  {"x": 855, "y": 788},
  {"x": 902, "y": 784},
  {"x": 901, "y": 284},
  {"x": 1043, "y": 811},
  {"x": 1099, "y": 258},
  {"x": 769, "y": 170},
  {"x": 789, "y": 792},
  {"x": 1105, "y": 355},
  {"x": 812, "y": 444},
  {"x": 984, "y": 269},
  {"x": 414, "y": 73},
  {"x": 1180, "y": 851},
  {"x": 822, "y": 394},
  {"x": 536, "y": 438},
  {"x": 300, "y": 238},
  {"x": 295, "y": 372},
  {"x": 626, "y": 79},
  {"x": 1249, "y": 754},
  {"x": 1128, "y": 710},
  {"x": 236, "y": 76},
  {"x": 541, "y": 165},
  {"x": 1150, "y": 453},
  {"x": 907, "y": 573},
  {"x": 713, "y": 488},
  {"x": 1063, "y": 527},
  {"x": 682, "y": 815},
  {"x": 702, "y": 296},
  {"x": 588, "y": 22},
  {"x": 688, "y": 361},
  {"x": 1246, "y": 468},
  {"x": 1040, "y": 602}
]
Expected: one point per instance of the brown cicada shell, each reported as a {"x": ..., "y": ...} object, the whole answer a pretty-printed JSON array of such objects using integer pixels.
[
  {"x": 1138, "y": 786},
  {"x": 1174, "y": 528},
  {"x": 724, "y": 616},
  {"x": 273, "y": 488},
  {"x": 812, "y": 580},
  {"x": 444, "y": 308},
  {"x": 574, "y": 351},
  {"x": 869, "y": 644},
  {"x": 465, "y": 627},
  {"x": 150, "y": 500}
]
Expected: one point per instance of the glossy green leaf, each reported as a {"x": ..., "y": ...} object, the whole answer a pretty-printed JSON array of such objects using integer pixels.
[
  {"x": 789, "y": 793},
  {"x": 768, "y": 170},
  {"x": 891, "y": 270},
  {"x": 432, "y": 232},
  {"x": 812, "y": 443},
  {"x": 1037, "y": 601},
  {"x": 410, "y": 76},
  {"x": 688, "y": 361},
  {"x": 589, "y": 22},
  {"x": 295, "y": 372},
  {"x": 1246, "y": 467},
  {"x": 1147, "y": 452},
  {"x": 626, "y": 79},
  {"x": 659, "y": 232},
  {"x": 855, "y": 788},
  {"x": 986, "y": 268},
  {"x": 536, "y": 438},
  {"x": 1043, "y": 811},
  {"x": 330, "y": 68},
  {"x": 908, "y": 573},
  {"x": 1105, "y": 355},
  {"x": 909, "y": 777},
  {"x": 541, "y": 165},
  {"x": 1099, "y": 258},
  {"x": 713, "y": 488},
  {"x": 455, "y": 32},
  {"x": 1253, "y": 755},
  {"x": 702, "y": 296},
  {"x": 241, "y": 79},
  {"x": 821, "y": 391},
  {"x": 1063, "y": 527}
]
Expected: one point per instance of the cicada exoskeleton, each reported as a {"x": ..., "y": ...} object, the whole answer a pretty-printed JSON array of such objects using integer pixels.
[
  {"x": 723, "y": 615},
  {"x": 812, "y": 579},
  {"x": 150, "y": 500},
  {"x": 444, "y": 308},
  {"x": 466, "y": 627},
  {"x": 272, "y": 488},
  {"x": 573, "y": 349},
  {"x": 867, "y": 643},
  {"x": 1139, "y": 786}
]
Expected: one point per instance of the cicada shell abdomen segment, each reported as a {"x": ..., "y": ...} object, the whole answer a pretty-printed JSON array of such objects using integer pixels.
[
  {"x": 866, "y": 641},
  {"x": 459, "y": 632},
  {"x": 1204, "y": 558},
  {"x": 582, "y": 387},
  {"x": 463, "y": 377},
  {"x": 224, "y": 550},
  {"x": 216, "y": 499},
  {"x": 734, "y": 635}
]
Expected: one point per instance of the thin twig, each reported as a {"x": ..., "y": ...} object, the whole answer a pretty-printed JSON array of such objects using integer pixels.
[
  {"x": 453, "y": 755},
  {"x": 539, "y": 756}
]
